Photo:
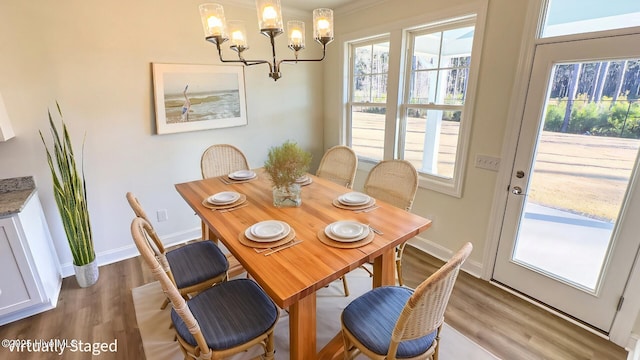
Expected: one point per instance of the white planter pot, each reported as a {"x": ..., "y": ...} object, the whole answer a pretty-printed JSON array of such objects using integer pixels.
[{"x": 87, "y": 275}]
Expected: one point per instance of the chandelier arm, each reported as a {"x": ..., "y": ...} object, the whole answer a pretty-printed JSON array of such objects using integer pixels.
[
  {"x": 324, "y": 48},
  {"x": 217, "y": 42}
]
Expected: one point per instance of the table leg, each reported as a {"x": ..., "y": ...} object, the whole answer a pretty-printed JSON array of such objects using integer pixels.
[
  {"x": 383, "y": 268},
  {"x": 302, "y": 329}
]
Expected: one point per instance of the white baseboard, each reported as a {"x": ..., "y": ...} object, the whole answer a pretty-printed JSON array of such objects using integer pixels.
[
  {"x": 129, "y": 251},
  {"x": 633, "y": 347},
  {"x": 471, "y": 267}
]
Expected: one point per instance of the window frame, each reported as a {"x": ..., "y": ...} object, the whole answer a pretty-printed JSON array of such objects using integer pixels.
[
  {"x": 350, "y": 93},
  {"x": 395, "y": 122},
  {"x": 451, "y": 186}
]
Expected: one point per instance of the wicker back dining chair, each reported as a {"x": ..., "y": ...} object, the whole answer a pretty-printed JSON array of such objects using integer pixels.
[
  {"x": 192, "y": 267},
  {"x": 396, "y": 182},
  {"x": 223, "y": 320},
  {"x": 395, "y": 322},
  {"x": 339, "y": 164},
  {"x": 218, "y": 160},
  {"x": 393, "y": 181},
  {"x": 222, "y": 159}
]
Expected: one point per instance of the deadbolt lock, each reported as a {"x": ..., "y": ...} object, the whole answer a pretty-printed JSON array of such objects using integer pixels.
[{"x": 520, "y": 174}]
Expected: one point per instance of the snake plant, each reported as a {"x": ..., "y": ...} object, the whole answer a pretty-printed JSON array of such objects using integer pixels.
[{"x": 70, "y": 192}]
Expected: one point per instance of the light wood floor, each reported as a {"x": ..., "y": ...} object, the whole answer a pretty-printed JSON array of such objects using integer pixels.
[
  {"x": 506, "y": 325},
  {"x": 500, "y": 322}
]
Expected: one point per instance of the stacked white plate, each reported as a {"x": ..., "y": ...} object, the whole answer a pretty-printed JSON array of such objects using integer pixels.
[
  {"x": 303, "y": 180},
  {"x": 242, "y": 175},
  {"x": 223, "y": 198},
  {"x": 354, "y": 198},
  {"x": 346, "y": 231},
  {"x": 268, "y": 231}
]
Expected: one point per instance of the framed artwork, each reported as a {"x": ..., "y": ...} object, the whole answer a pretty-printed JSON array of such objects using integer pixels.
[{"x": 198, "y": 97}]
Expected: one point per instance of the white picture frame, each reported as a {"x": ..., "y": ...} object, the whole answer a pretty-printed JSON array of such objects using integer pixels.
[{"x": 198, "y": 97}]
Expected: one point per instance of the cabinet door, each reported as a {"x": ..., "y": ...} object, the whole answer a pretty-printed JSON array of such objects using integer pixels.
[{"x": 18, "y": 289}]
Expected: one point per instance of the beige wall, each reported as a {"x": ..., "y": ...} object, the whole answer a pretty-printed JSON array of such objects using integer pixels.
[
  {"x": 455, "y": 220},
  {"x": 94, "y": 58}
]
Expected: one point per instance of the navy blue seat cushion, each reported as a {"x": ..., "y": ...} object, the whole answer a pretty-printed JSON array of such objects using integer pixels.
[
  {"x": 196, "y": 262},
  {"x": 372, "y": 317},
  {"x": 229, "y": 314}
]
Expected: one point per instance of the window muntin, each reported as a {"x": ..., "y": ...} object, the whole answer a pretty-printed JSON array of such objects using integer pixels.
[{"x": 439, "y": 64}]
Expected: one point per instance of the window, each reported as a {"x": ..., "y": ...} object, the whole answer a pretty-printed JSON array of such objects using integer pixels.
[
  {"x": 567, "y": 17},
  {"x": 417, "y": 108},
  {"x": 438, "y": 71},
  {"x": 370, "y": 67}
]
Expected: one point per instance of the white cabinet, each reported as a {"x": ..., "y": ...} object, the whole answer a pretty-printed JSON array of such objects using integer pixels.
[{"x": 30, "y": 276}]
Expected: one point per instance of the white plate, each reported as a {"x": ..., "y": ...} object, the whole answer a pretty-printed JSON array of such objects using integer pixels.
[
  {"x": 346, "y": 231},
  {"x": 303, "y": 178},
  {"x": 267, "y": 231},
  {"x": 242, "y": 175},
  {"x": 354, "y": 198},
  {"x": 223, "y": 198}
]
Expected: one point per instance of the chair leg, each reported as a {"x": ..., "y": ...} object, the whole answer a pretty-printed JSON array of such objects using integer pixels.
[
  {"x": 270, "y": 348},
  {"x": 349, "y": 347},
  {"x": 399, "y": 270},
  {"x": 367, "y": 270},
  {"x": 344, "y": 285},
  {"x": 435, "y": 351},
  {"x": 399, "y": 252}
]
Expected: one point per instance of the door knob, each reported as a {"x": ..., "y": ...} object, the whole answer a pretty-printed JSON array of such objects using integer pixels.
[{"x": 517, "y": 190}]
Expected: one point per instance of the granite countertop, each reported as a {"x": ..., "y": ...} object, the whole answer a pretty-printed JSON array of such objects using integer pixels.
[{"x": 14, "y": 194}]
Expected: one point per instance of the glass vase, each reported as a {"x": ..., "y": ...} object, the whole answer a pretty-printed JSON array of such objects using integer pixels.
[{"x": 288, "y": 196}]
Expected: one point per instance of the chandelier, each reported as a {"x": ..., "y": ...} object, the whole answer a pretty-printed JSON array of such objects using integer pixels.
[{"x": 217, "y": 30}]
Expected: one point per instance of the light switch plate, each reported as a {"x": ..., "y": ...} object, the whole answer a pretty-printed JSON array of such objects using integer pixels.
[{"x": 487, "y": 162}]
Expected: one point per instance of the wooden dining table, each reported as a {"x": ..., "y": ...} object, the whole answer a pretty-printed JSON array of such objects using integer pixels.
[{"x": 292, "y": 276}]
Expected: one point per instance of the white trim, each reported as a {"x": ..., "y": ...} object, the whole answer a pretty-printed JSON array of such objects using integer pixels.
[
  {"x": 129, "y": 251},
  {"x": 624, "y": 321},
  {"x": 633, "y": 347},
  {"x": 470, "y": 266}
]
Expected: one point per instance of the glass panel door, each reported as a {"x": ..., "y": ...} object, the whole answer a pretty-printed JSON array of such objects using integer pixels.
[{"x": 565, "y": 239}]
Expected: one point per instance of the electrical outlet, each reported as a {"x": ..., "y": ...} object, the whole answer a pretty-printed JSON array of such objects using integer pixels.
[
  {"x": 487, "y": 162},
  {"x": 162, "y": 215}
]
